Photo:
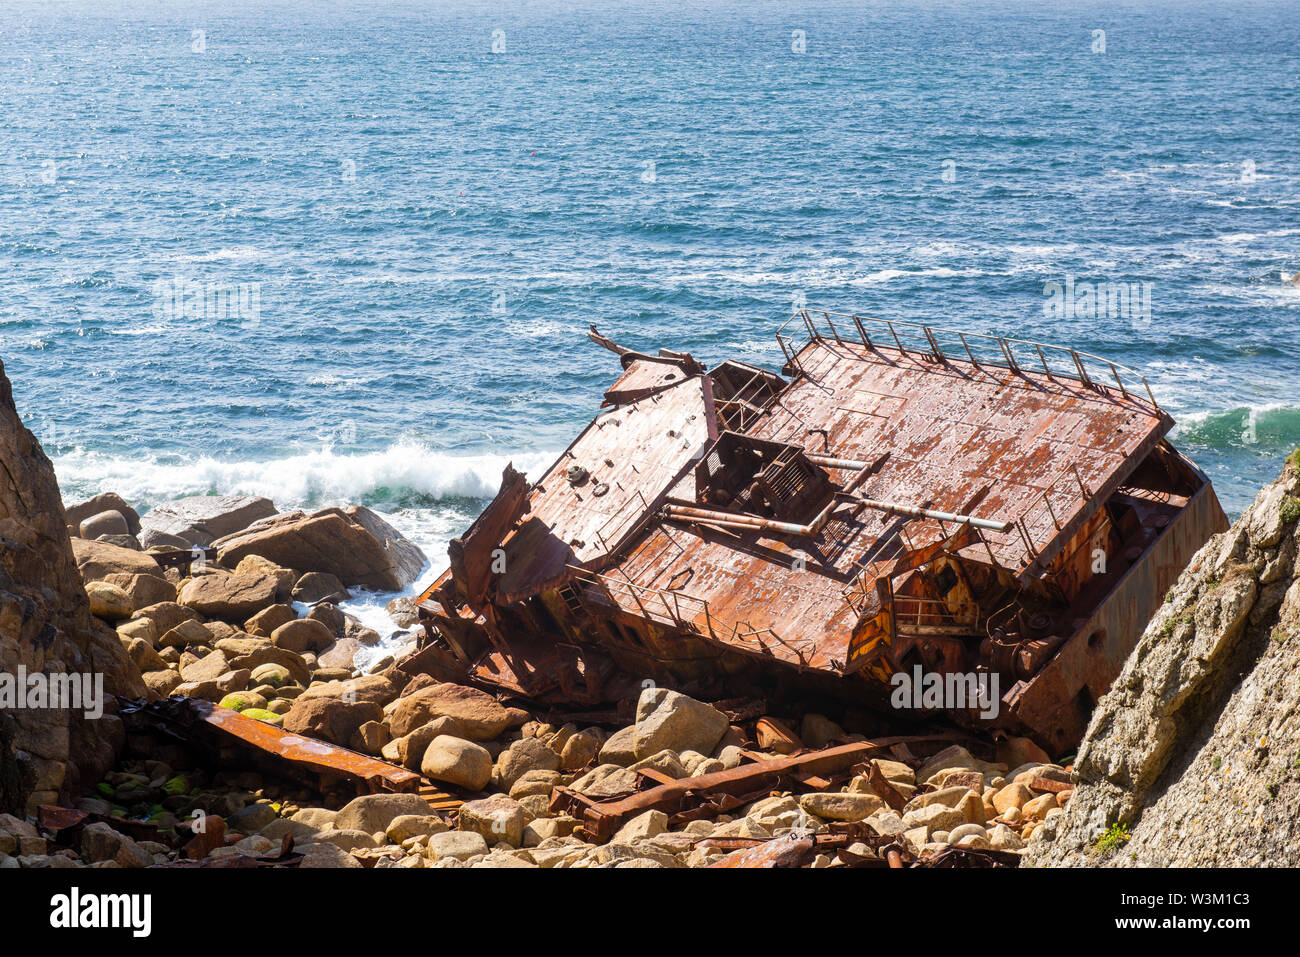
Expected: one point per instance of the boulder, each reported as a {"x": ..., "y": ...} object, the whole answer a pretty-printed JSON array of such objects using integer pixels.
[
  {"x": 403, "y": 611},
  {"x": 144, "y": 590},
  {"x": 213, "y": 689},
  {"x": 100, "y": 843},
  {"x": 370, "y": 738},
  {"x": 143, "y": 654},
  {"x": 620, "y": 747},
  {"x": 817, "y": 730},
  {"x": 353, "y": 544},
  {"x": 302, "y": 634},
  {"x": 162, "y": 682},
  {"x": 188, "y": 632},
  {"x": 646, "y": 825},
  {"x": 459, "y": 845},
  {"x": 330, "y": 616},
  {"x": 497, "y": 818},
  {"x": 166, "y": 615},
  {"x": 534, "y": 782},
  {"x": 208, "y": 668},
  {"x": 98, "y": 560},
  {"x": 105, "y": 502},
  {"x": 257, "y": 565},
  {"x": 318, "y": 818},
  {"x": 104, "y": 523},
  {"x": 457, "y": 761},
  {"x": 231, "y": 597},
  {"x": 373, "y": 688},
  {"x": 524, "y": 755},
  {"x": 153, "y": 539},
  {"x": 252, "y": 818},
  {"x": 406, "y": 826},
  {"x": 265, "y": 654},
  {"x": 604, "y": 781},
  {"x": 834, "y": 806},
  {"x": 202, "y": 519},
  {"x": 325, "y": 854},
  {"x": 108, "y": 601},
  {"x": 264, "y": 623},
  {"x": 408, "y": 750},
  {"x": 375, "y": 812},
  {"x": 670, "y": 720},
  {"x": 480, "y": 716},
  {"x": 315, "y": 587},
  {"x": 330, "y": 719},
  {"x": 270, "y": 674},
  {"x": 340, "y": 654},
  {"x": 579, "y": 751}
]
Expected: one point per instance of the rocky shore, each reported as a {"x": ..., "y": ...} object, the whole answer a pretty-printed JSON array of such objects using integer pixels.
[
  {"x": 227, "y": 601},
  {"x": 228, "y": 631}
]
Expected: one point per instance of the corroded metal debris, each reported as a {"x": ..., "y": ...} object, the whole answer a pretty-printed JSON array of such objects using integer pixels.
[
  {"x": 189, "y": 719},
  {"x": 899, "y": 499},
  {"x": 710, "y": 794}
]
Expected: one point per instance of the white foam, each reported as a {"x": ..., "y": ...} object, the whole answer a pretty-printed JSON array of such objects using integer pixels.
[{"x": 309, "y": 478}]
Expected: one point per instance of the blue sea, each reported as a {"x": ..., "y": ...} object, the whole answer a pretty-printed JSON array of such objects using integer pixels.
[{"x": 401, "y": 218}]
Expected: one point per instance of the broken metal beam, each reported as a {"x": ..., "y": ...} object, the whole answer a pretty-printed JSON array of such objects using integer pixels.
[
  {"x": 306, "y": 757},
  {"x": 601, "y": 820}
]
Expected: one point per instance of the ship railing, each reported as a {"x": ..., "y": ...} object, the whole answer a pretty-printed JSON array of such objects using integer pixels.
[
  {"x": 659, "y": 605},
  {"x": 875, "y": 562},
  {"x": 1042, "y": 520},
  {"x": 664, "y": 606},
  {"x": 879, "y": 559},
  {"x": 937, "y": 344},
  {"x": 739, "y": 404},
  {"x": 928, "y": 615},
  {"x": 615, "y": 528}
]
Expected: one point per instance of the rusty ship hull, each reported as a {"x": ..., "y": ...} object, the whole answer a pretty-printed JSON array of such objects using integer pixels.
[{"x": 897, "y": 499}]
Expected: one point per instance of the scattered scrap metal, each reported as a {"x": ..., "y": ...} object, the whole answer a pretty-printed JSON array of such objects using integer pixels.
[
  {"x": 326, "y": 766},
  {"x": 688, "y": 799}
]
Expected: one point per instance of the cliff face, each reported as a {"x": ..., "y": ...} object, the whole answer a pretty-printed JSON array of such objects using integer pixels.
[
  {"x": 1195, "y": 752},
  {"x": 46, "y": 626}
]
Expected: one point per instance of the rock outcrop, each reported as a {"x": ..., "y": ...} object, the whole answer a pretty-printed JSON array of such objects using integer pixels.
[
  {"x": 46, "y": 628},
  {"x": 353, "y": 544},
  {"x": 202, "y": 519},
  {"x": 1193, "y": 758}
]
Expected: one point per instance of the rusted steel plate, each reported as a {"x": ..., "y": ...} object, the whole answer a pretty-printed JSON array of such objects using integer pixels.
[
  {"x": 319, "y": 757},
  {"x": 183, "y": 717},
  {"x": 615, "y": 471}
]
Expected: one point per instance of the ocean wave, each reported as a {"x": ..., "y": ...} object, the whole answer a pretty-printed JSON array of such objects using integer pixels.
[
  {"x": 393, "y": 475},
  {"x": 1269, "y": 425}
]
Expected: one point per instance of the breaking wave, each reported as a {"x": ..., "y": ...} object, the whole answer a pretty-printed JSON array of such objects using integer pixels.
[
  {"x": 404, "y": 474},
  {"x": 1271, "y": 426}
]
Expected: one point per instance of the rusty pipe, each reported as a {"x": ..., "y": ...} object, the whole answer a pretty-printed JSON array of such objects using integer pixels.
[
  {"x": 735, "y": 520},
  {"x": 831, "y": 462},
  {"x": 911, "y": 511},
  {"x": 742, "y": 520}
]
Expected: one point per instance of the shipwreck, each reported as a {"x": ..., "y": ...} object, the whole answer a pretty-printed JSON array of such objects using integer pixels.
[{"x": 897, "y": 497}]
